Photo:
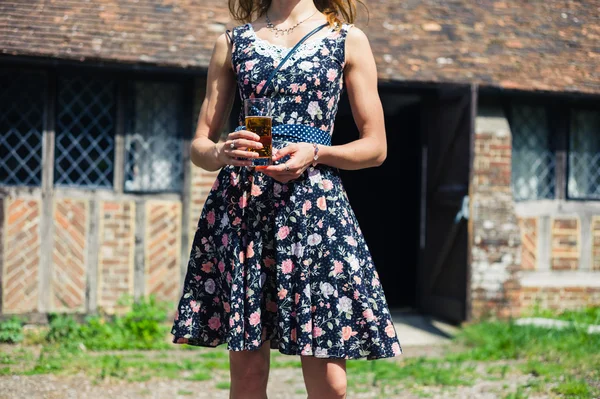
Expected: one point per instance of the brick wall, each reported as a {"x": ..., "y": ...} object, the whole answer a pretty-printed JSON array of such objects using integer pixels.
[
  {"x": 116, "y": 252},
  {"x": 496, "y": 255},
  {"x": 20, "y": 255},
  {"x": 526, "y": 254}
]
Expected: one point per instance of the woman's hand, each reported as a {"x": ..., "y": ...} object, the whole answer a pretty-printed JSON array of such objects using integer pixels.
[
  {"x": 301, "y": 156},
  {"x": 237, "y": 146}
]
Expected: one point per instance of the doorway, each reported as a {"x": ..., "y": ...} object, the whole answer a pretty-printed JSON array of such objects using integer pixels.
[
  {"x": 388, "y": 220},
  {"x": 413, "y": 209}
]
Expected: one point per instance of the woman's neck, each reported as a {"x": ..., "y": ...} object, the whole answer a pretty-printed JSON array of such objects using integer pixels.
[{"x": 290, "y": 11}]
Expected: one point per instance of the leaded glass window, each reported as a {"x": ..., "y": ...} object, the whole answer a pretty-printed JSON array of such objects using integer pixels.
[
  {"x": 85, "y": 130},
  {"x": 533, "y": 161},
  {"x": 153, "y": 145},
  {"x": 22, "y": 96},
  {"x": 584, "y": 154}
]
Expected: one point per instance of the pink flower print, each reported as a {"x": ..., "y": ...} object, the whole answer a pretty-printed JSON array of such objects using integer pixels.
[
  {"x": 293, "y": 335},
  {"x": 297, "y": 298},
  {"x": 356, "y": 294},
  {"x": 207, "y": 267},
  {"x": 182, "y": 340},
  {"x": 331, "y": 74},
  {"x": 255, "y": 343},
  {"x": 350, "y": 240},
  {"x": 197, "y": 278},
  {"x": 188, "y": 322},
  {"x": 236, "y": 221},
  {"x": 259, "y": 87},
  {"x": 375, "y": 282},
  {"x": 330, "y": 231},
  {"x": 287, "y": 266},
  {"x": 338, "y": 267},
  {"x": 234, "y": 179},
  {"x": 327, "y": 184},
  {"x": 195, "y": 306},
  {"x": 319, "y": 94},
  {"x": 214, "y": 323},
  {"x": 368, "y": 315},
  {"x": 347, "y": 333},
  {"x": 324, "y": 51},
  {"x": 320, "y": 223},
  {"x": 243, "y": 201},
  {"x": 225, "y": 240},
  {"x": 250, "y": 250},
  {"x": 313, "y": 109},
  {"x": 307, "y": 351},
  {"x": 176, "y": 315},
  {"x": 317, "y": 332},
  {"x": 317, "y": 81},
  {"x": 242, "y": 256},
  {"x": 303, "y": 88},
  {"x": 324, "y": 128},
  {"x": 322, "y": 204},
  {"x": 306, "y": 207},
  {"x": 331, "y": 103},
  {"x": 307, "y": 327},
  {"x": 246, "y": 81},
  {"x": 396, "y": 349},
  {"x": 226, "y": 307},
  {"x": 256, "y": 191},
  {"x": 282, "y": 293},
  {"x": 298, "y": 99},
  {"x": 254, "y": 318},
  {"x": 283, "y": 232},
  {"x": 249, "y": 65},
  {"x": 294, "y": 87},
  {"x": 221, "y": 266},
  {"x": 231, "y": 322},
  {"x": 389, "y": 330}
]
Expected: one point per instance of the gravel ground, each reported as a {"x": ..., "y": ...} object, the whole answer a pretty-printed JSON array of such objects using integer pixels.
[{"x": 284, "y": 383}]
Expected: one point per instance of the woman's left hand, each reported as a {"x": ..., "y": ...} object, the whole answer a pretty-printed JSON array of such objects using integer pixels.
[{"x": 301, "y": 156}]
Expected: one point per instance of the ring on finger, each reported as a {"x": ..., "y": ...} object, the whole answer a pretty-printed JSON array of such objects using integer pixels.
[{"x": 232, "y": 145}]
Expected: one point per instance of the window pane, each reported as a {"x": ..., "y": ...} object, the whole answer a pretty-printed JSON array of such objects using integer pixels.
[
  {"x": 154, "y": 141},
  {"x": 533, "y": 161},
  {"x": 584, "y": 155},
  {"x": 85, "y": 131},
  {"x": 21, "y": 125}
]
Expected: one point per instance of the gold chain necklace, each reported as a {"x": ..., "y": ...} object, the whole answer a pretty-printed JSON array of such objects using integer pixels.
[{"x": 279, "y": 31}]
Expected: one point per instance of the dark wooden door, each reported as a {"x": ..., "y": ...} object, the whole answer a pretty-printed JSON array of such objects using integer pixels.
[{"x": 447, "y": 122}]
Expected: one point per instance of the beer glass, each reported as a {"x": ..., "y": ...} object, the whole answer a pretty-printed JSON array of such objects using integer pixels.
[{"x": 258, "y": 113}]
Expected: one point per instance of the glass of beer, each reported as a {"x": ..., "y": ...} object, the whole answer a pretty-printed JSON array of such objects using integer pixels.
[{"x": 259, "y": 120}]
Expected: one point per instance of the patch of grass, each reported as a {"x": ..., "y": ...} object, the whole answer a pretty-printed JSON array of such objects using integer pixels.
[
  {"x": 587, "y": 316},
  {"x": 184, "y": 392},
  {"x": 223, "y": 385},
  {"x": 5, "y": 371},
  {"x": 200, "y": 376},
  {"x": 11, "y": 330},
  {"x": 573, "y": 389}
]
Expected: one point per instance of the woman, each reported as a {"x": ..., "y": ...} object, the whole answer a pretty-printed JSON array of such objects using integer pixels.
[{"x": 278, "y": 260}]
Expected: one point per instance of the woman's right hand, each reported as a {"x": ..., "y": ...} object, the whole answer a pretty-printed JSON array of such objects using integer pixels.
[{"x": 234, "y": 150}]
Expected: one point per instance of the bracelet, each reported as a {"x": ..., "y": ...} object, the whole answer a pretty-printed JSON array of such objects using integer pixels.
[{"x": 316, "y": 156}]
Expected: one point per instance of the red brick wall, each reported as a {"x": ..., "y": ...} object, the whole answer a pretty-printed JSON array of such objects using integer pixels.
[
  {"x": 529, "y": 244},
  {"x": 163, "y": 249},
  {"x": 21, "y": 255},
  {"x": 559, "y": 299},
  {"x": 71, "y": 218},
  {"x": 116, "y": 252},
  {"x": 565, "y": 243}
]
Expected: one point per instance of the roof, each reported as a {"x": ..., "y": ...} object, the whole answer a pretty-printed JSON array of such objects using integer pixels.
[{"x": 515, "y": 44}]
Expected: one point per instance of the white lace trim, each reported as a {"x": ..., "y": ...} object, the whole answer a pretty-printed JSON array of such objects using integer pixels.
[{"x": 277, "y": 53}]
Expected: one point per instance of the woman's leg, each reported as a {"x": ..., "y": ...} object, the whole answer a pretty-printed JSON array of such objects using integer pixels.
[
  {"x": 249, "y": 372},
  {"x": 324, "y": 378}
]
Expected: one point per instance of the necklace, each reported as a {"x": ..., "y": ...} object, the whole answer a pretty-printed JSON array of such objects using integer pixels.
[{"x": 279, "y": 31}]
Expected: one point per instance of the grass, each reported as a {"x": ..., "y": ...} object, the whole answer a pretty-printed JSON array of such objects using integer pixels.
[{"x": 565, "y": 363}]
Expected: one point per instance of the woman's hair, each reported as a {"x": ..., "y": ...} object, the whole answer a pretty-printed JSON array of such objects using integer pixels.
[{"x": 336, "y": 11}]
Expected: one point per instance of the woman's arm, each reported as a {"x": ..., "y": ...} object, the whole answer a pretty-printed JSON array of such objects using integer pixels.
[
  {"x": 360, "y": 72},
  {"x": 370, "y": 149},
  {"x": 206, "y": 151}
]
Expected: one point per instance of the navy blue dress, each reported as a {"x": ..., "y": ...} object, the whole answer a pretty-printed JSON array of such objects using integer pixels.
[{"x": 286, "y": 263}]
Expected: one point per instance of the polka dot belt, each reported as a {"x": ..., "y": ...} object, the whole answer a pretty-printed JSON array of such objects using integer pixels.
[{"x": 299, "y": 134}]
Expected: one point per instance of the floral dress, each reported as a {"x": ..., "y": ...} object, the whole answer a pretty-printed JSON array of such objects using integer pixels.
[{"x": 285, "y": 263}]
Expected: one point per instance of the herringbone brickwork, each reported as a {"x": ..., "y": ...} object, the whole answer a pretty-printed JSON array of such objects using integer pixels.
[
  {"x": 565, "y": 244},
  {"x": 21, "y": 254},
  {"x": 596, "y": 243},
  {"x": 529, "y": 247},
  {"x": 162, "y": 249},
  {"x": 69, "y": 254},
  {"x": 117, "y": 248}
]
